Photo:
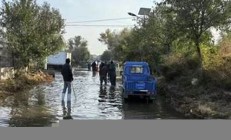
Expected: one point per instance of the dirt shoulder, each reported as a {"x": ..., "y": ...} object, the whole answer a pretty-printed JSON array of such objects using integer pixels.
[{"x": 198, "y": 101}]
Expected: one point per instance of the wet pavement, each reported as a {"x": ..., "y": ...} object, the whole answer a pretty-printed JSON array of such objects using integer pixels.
[{"x": 42, "y": 106}]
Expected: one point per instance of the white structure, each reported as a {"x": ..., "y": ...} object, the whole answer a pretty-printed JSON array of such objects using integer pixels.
[{"x": 57, "y": 59}]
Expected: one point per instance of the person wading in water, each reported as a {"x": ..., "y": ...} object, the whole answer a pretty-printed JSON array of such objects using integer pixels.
[
  {"x": 67, "y": 78},
  {"x": 112, "y": 73},
  {"x": 103, "y": 70}
]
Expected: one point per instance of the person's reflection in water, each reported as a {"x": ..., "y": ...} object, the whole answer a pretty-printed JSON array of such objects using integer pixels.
[
  {"x": 67, "y": 111},
  {"x": 112, "y": 94},
  {"x": 93, "y": 73},
  {"x": 103, "y": 91},
  {"x": 112, "y": 89}
]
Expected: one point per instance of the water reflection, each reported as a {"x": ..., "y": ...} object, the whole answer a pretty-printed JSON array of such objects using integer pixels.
[
  {"x": 139, "y": 109},
  {"x": 94, "y": 73},
  {"x": 21, "y": 99},
  {"x": 112, "y": 89},
  {"x": 102, "y": 91},
  {"x": 108, "y": 94},
  {"x": 66, "y": 110},
  {"x": 112, "y": 92},
  {"x": 109, "y": 105},
  {"x": 31, "y": 116},
  {"x": 42, "y": 106}
]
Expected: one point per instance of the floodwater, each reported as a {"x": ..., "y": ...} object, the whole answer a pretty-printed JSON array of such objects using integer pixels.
[{"x": 42, "y": 105}]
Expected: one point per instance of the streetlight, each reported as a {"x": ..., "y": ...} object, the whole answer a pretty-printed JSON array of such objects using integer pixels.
[
  {"x": 144, "y": 12},
  {"x": 132, "y": 14}
]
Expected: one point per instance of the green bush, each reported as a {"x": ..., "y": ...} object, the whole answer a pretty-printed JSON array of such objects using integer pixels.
[
  {"x": 178, "y": 65},
  {"x": 216, "y": 68}
]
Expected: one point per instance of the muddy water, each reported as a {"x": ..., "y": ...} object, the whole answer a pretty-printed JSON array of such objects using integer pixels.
[{"x": 42, "y": 106}]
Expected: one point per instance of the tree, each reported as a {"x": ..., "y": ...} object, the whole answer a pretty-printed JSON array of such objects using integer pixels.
[
  {"x": 50, "y": 30},
  {"x": 196, "y": 17},
  {"x": 80, "y": 55},
  {"x": 106, "y": 56},
  {"x": 33, "y": 31},
  {"x": 78, "y": 47},
  {"x": 76, "y": 42},
  {"x": 115, "y": 42},
  {"x": 108, "y": 38}
]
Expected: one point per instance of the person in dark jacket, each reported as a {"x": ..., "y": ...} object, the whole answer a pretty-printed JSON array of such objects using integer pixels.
[
  {"x": 93, "y": 65},
  {"x": 89, "y": 66},
  {"x": 67, "y": 78},
  {"x": 103, "y": 70},
  {"x": 112, "y": 73}
]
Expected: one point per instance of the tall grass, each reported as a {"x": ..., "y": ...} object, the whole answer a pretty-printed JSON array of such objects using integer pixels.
[{"x": 25, "y": 80}]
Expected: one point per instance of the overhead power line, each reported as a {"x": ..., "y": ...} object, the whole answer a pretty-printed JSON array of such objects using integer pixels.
[
  {"x": 100, "y": 20},
  {"x": 99, "y": 25}
]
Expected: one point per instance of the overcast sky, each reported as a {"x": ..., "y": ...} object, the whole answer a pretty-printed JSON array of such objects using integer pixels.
[{"x": 88, "y": 10}]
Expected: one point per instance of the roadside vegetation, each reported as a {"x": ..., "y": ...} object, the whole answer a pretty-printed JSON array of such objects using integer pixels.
[
  {"x": 192, "y": 68},
  {"x": 30, "y": 32},
  {"x": 23, "y": 82}
]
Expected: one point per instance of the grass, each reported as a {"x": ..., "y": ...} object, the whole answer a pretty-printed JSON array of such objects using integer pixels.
[{"x": 23, "y": 82}]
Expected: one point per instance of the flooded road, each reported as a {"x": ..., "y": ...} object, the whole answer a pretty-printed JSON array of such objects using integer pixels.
[{"x": 42, "y": 105}]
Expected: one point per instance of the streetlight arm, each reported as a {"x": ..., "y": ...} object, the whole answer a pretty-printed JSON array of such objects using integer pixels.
[{"x": 132, "y": 14}]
